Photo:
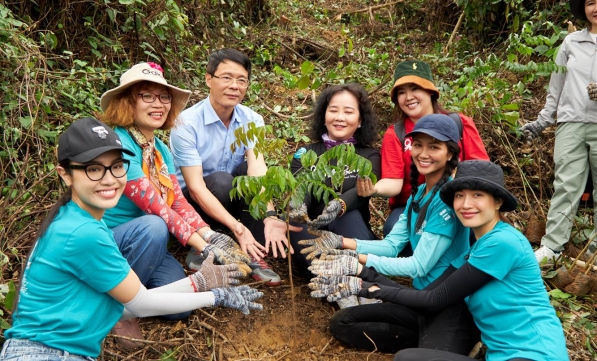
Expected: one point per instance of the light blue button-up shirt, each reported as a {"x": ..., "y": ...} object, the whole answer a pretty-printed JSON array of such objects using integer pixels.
[{"x": 200, "y": 138}]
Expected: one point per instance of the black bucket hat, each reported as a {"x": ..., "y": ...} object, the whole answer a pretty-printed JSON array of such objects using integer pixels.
[
  {"x": 577, "y": 8},
  {"x": 480, "y": 175}
]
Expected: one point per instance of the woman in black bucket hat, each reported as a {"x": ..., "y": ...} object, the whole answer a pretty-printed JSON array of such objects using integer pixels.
[{"x": 498, "y": 278}]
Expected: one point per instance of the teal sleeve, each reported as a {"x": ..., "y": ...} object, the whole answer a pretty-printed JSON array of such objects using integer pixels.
[
  {"x": 391, "y": 245},
  {"x": 493, "y": 254},
  {"x": 426, "y": 255}
]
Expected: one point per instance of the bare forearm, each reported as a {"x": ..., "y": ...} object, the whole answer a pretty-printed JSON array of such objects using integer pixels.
[{"x": 388, "y": 187}]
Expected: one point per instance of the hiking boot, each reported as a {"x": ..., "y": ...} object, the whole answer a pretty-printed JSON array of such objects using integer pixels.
[
  {"x": 262, "y": 272},
  {"x": 544, "y": 252},
  {"x": 349, "y": 301},
  {"x": 194, "y": 259},
  {"x": 129, "y": 329}
]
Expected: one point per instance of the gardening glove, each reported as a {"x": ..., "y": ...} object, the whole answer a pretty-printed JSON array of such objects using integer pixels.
[
  {"x": 533, "y": 129},
  {"x": 212, "y": 276},
  {"x": 228, "y": 245},
  {"x": 222, "y": 257},
  {"x": 592, "y": 90},
  {"x": 299, "y": 215},
  {"x": 327, "y": 241},
  {"x": 330, "y": 212},
  {"x": 340, "y": 252},
  {"x": 335, "y": 287},
  {"x": 334, "y": 265},
  {"x": 240, "y": 298}
]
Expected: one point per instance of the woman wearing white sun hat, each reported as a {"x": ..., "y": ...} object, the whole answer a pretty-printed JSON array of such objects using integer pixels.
[{"x": 153, "y": 206}]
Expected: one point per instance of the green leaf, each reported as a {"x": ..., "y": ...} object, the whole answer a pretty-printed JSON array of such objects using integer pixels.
[
  {"x": 303, "y": 82},
  {"x": 557, "y": 294},
  {"x": 307, "y": 67},
  {"x": 25, "y": 121},
  {"x": 10, "y": 296}
]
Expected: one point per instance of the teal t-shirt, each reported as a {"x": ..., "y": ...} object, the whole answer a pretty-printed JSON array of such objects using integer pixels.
[
  {"x": 441, "y": 237},
  {"x": 63, "y": 301},
  {"x": 126, "y": 210},
  {"x": 513, "y": 311}
]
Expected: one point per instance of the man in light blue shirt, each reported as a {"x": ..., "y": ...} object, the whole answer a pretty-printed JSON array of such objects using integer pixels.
[{"x": 206, "y": 165}]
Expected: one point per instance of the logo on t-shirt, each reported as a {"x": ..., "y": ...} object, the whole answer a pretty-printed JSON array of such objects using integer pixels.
[{"x": 445, "y": 214}]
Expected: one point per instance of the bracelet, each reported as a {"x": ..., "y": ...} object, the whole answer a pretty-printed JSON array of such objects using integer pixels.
[
  {"x": 343, "y": 204},
  {"x": 207, "y": 235}
]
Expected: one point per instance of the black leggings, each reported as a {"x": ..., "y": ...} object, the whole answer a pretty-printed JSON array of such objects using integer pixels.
[
  {"x": 394, "y": 327},
  {"x": 421, "y": 354}
]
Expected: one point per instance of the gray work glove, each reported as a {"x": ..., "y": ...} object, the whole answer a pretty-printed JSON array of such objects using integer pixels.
[
  {"x": 335, "y": 287},
  {"x": 323, "y": 244},
  {"x": 240, "y": 298},
  {"x": 228, "y": 245},
  {"x": 592, "y": 90},
  {"x": 212, "y": 276},
  {"x": 299, "y": 215},
  {"x": 330, "y": 212},
  {"x": 533, "y": 129},
  {"x": 222, "y": 257},
  {"x": 334, "y": 265}
]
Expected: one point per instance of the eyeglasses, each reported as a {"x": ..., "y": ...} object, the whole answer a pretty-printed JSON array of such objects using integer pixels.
[
  {"x": 227, "y": 80},
  {"x": 96, "y": 172},
  {"x": 150, "y": 97}
]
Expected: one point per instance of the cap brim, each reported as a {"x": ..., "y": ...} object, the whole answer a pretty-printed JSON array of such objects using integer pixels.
[
  {"x": 432, "y": 133},
  {"x": 96, "y": 152},
  {"x": 447, "y": 192},
  {"x": 179, "y": 96},
  {"x": 412, "y": 79}
]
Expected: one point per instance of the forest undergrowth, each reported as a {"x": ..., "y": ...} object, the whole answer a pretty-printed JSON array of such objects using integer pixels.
[{"x": 491, "y": 60}]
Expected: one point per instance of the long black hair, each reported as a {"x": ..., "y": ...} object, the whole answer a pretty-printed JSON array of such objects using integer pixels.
[
  {"x": 45, "y": 224},
  {"x": 449, "y": 168}
]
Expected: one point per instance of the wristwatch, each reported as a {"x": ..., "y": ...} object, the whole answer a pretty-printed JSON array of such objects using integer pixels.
[{"x": 271, "y": 214}]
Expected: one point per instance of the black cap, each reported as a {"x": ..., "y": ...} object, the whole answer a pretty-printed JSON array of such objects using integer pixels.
[
  {"x": 438, "y": 126},
  {"x": 86, "y": 139}
]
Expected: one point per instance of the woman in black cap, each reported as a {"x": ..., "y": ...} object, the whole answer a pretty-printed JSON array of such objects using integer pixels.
[
  {"x": 498, "y": 278},
  {"x": 77, "y": 284},
  {"x": 575, "y": 108}
]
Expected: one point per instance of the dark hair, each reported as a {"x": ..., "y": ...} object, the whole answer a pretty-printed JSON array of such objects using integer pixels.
[
  {"x": 233, "y": 55},
  {"x": 64, "y": 199},
  {"x": 449, "y": 168},
  {"x": 399, "y": 116},
  {"x": 366, "y": 134}
]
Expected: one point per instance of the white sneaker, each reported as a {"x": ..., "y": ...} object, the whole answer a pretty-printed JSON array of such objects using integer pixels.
[{"x": 544, "y": 252}]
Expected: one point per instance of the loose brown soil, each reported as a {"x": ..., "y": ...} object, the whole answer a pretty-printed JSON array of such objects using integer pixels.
[{"x": 224, "y": 334}]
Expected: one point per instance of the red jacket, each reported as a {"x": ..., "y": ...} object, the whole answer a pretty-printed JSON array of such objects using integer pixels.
[{"x": 396, "y": 159}]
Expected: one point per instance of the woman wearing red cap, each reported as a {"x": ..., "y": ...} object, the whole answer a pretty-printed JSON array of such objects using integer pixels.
[{"x": 414, "y": 95}]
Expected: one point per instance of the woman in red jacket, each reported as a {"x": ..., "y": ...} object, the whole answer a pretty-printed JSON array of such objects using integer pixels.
[{"x": 415, "y": 96}]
